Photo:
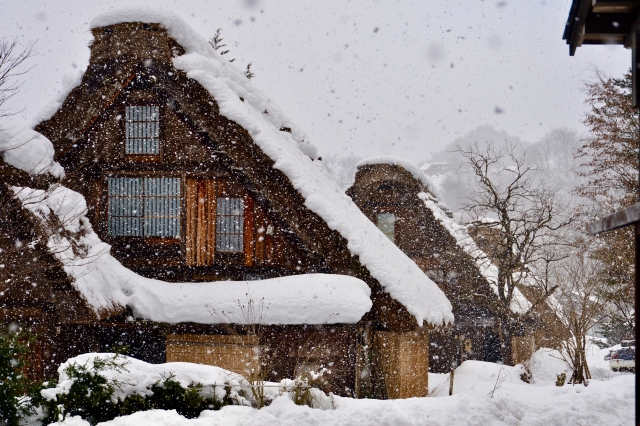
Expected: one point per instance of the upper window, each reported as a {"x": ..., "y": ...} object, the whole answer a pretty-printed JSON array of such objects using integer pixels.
[
  {"x": 229, "y": 225},
  {"x": 144, "y": 207},
  {"x": 386, "y": 223},
  {"x": 142, "y": 130}
]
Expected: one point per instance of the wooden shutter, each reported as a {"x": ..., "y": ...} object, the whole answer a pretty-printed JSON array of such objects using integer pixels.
[
  {"x": 191, "y": 201},
  {"x": 201, "y": 222},
  {"x": 248, "y": 230}
]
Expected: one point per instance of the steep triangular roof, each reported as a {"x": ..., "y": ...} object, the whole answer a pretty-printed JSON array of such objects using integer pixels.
[{"x": 236, "y": 119}]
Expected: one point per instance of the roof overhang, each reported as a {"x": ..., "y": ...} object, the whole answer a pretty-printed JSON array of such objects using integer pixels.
[
  {"x": 622, "y": 218},
  {"x": 601, "y": 22}
]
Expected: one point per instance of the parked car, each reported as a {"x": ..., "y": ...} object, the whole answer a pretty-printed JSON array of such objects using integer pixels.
[{"x": 623, "y": 359}]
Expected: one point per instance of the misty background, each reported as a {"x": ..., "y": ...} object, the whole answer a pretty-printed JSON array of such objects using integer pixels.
[{"x": 403, "y": 78}]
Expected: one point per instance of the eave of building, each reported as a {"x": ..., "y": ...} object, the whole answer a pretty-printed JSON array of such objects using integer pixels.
[{"x": 601, "y": 22}]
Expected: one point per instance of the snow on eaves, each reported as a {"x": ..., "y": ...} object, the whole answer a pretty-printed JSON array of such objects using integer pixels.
[
  {"x": 291, "y": 153},
  {"x": 519, "y": 303},
  {"x": 107, "y": 285},
  {"x": 29, "y": 151},
  {"x": 409, "y": 166}
]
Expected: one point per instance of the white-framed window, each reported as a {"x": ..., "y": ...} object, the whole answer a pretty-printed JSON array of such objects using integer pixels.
[
  {"x": 144, "y": 206},
  {"x": 142, "y": 133},
  {"x": 387, "y": 223},
  {"x": 229, "y": 225}
]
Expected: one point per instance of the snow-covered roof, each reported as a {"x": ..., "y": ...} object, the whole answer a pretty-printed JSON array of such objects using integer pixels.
[
  {"x": 291, "y": 153},
  {"x": 519, "y": 303},
  {"x": 29, "y": 151},
  {"x": 409, "y": 166},
  {"x": 107, "y": 285}
]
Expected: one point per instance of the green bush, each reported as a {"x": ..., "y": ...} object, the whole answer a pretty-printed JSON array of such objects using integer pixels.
[
  {"x": 92, "y": 396},
  {"x": 15, "y": 388}
]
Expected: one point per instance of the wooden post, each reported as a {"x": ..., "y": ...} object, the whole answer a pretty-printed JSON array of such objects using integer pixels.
[{"x": 453, "y": 370}]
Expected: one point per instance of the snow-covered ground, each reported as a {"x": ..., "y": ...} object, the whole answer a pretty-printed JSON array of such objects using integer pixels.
[{"x": 607, "y": 400}]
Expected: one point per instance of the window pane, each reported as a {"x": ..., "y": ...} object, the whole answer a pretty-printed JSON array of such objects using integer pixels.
[
  {"x": 229, "y": 225},
  {"x": 125, "y": 206},
  {"x": 144, "y": 206},
  {"x": 159, "y": 218},
  {"x": 142, "y": 129},
  {"x": 386, "y": 223}
]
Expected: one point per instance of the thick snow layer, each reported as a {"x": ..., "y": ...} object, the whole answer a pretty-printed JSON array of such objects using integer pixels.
[
  {"x": 397, "y": 274},
  {"x": 409, "y": 166},
  {"x": 519, "y": 303},
  {"x": 106, "y": 284},
  {"x": 28, "y": 151},
  {"x": 135, "y": 376},
  {"x": 603, "y": 402}
]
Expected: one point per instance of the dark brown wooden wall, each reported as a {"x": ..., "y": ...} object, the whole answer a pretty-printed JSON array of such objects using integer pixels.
[{"x": 205, "y": 176}]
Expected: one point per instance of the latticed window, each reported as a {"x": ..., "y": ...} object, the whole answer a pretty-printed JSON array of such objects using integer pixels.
[
  {"x": 386, "y": 223},
  {"x": 144, "y": 206},
  {"x": 142, "y": 129},
  {"x": 229, "y": 225}
]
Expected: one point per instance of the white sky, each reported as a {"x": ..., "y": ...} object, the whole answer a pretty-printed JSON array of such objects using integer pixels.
[{"x": 362, "y": 77}]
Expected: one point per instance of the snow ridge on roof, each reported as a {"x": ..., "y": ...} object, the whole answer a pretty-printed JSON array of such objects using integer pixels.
[
  {"x": 398, "y": 275},
  {"x": 107, "y": 285},
  {"x": 519, "y": 303},
  {"x": 29, "y": 151},
  {"x": 409, "y": 166}
]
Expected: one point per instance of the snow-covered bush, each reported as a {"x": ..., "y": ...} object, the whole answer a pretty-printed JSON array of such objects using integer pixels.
[{"x": 100, "y": 387}]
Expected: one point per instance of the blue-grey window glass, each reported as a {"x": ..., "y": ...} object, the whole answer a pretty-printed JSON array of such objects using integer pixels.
[
  {"x": 142, "y": 129},
  {"x": 144, "y": 206},
  {"x": 229, "y": 225},
  {"x": 386, "y": 223}
]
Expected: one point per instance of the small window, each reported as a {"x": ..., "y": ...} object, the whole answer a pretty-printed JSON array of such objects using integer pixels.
[
  {"x": 144, "y": 207},
  {"x": 229, "y": 225},
  {"x": 386, "y": 223},
  {"x": 142, "y": 130}
]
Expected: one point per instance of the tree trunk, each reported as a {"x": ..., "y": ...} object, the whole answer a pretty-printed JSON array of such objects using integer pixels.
[
  {"x": 505, "y": 331},
  {"x": 581, "y": 371}
]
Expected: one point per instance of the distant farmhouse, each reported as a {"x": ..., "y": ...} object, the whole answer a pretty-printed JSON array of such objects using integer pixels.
[
  {"x": 210, "y": 232},
  {"x": 402, "y": 201}
]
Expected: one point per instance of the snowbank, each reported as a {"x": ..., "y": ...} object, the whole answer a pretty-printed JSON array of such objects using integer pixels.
[
  {"x": 29, "y": 151},
  {"x": 409, "y": 166},
  {"x": 106, "y": 284},
  {"x": 513, "y": 403},
  {"x": 136, "y": 376},
  {"x": 397, "y": 274}
]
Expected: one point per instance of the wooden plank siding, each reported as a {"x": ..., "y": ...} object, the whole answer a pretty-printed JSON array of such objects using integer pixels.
[
  {"x": 249, "y": 230},
  {"x": 200, "y": 236}
]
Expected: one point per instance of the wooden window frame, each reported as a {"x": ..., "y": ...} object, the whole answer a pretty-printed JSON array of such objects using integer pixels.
[
  {"x": 147, "y": 238},
  {"x": 143, "y": 158}
]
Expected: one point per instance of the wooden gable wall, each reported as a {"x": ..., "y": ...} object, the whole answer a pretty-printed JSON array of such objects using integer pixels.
[
  {"x": 384, "y": 188},
  {"x": 270, "y": 247}
]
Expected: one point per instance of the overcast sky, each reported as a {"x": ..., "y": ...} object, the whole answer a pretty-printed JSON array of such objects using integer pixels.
[{"x": 361, "y": 77}]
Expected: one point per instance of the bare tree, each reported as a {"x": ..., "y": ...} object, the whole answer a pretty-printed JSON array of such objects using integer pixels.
[
  {"x": 517, "y": 222},
  {"x": 11, "y": 59},
  {"x": 580, "y": 307}
]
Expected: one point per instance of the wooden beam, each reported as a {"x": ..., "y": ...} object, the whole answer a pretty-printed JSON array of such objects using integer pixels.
[
  {"x": 614, "y": 6},
  {"x": 608, "y": 24},
  {"x": 626, "y": 217}
]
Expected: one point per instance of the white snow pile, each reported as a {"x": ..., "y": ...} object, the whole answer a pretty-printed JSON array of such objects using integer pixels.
[
  {"x": 398, "y": 275},
  {"x": 130, "y": 376},
  {"x": 519, "y": 303},
  {"x": 106, "y": 284},
  {"x": 483, "y": 394},
  {"x": 135, "y": 377},
  {"x": 409, "y": 166},
  {"x": 29, "y": 151}
]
